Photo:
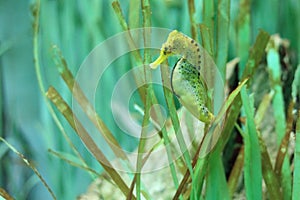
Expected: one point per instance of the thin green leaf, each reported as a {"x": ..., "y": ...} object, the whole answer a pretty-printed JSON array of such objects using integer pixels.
[
  {"x": 118, "y": 11},
  {"x": 236, "y": 172},
  {"x": 209, "y": 23},
  {"x": 256, "y": 53},
  {"x": 72, "y": 160},
  {"x": 146, "y": 120},
  {"x": 134, "y": 13},
  {"x": 200, "y": 172},
  {"x": 36, "y": 56},
  {"x": 136, "y": 55},
  {"x": 191, "y": 6},
  {"x": 283, "y": 147},
  {"x": 222, "y": 41},
  {"x": 31, "y": 166},
  {"x": 262, "y": 108},
  {"x": 253, "y": 170},
  {"x": 269, "y": 175},
  {"x": 273, "y": 61},
  {"x": 216, "y": 184},
  {"x": 243, "y": 34},
  {"x": 278, "y": 102},
  {"x": 142, "y": 142},
  {"x": 296, "y": 83},
  {"x": 78, "y": 94},
  {"x": 63, "y": 107},
  {"x": 206, "y": 37},
  {"x": 296, "y": 176}
]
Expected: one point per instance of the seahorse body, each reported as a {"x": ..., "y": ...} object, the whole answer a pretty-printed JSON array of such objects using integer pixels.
[{"x": 191, "y": 90}]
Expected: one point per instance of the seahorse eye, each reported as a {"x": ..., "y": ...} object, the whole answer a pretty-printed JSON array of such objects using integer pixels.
[{"x": 166, "y": 50}]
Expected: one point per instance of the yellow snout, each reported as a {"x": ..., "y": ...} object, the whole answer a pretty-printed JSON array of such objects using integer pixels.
[{"x": 162, "y": 57}]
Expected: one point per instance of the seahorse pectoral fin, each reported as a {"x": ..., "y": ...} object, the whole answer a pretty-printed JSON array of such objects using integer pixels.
[
  {"x": 162, "y": 57},
  {"x": 210, "y": 116}
]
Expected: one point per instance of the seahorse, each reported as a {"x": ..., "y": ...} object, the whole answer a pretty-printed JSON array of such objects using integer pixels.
[{"x": 186, "y": 81}]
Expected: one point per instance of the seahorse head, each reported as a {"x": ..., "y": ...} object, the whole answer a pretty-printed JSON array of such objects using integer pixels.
[{"x": 178, "y": 44}]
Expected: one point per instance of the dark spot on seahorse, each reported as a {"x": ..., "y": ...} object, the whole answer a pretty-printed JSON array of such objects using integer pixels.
[
  {"x": 192, "y": 41},
  {"x": 198, "y": 49},
  {"x": 165, "y": 50}
]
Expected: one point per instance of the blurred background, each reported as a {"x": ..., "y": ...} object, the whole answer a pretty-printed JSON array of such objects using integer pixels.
[{"x": 77, "y": 27}]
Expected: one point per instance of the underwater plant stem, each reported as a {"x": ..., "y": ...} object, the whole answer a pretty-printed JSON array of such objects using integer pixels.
[
  {"x": 256, "y": 54},
  {"x": 269, "y": 175},
  {"x": 296, "y": 175},
  {"x": 29, "y": 165},
  {"x": 222, "y": 40},
  {"x": 236, "y": 172},
  {"x": 148, "y": 93},
  {"x": 36, "y": 14},
  {"x": 283, "y": 147},
  {"x": 75, "y": 164},
  {"x": 142, "y": 142},
  {"x": 118, "y": 11},
  {"x": 209, "y": 19},
  {"x": 252, "y": 155},
  {"x": 78, "y": 94},
  {"x": 136, "y": 55},
  {"x": 243, "y": 34},
  {"x": 66, "y": 111},
  {"x": 191, "y": 6}
]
